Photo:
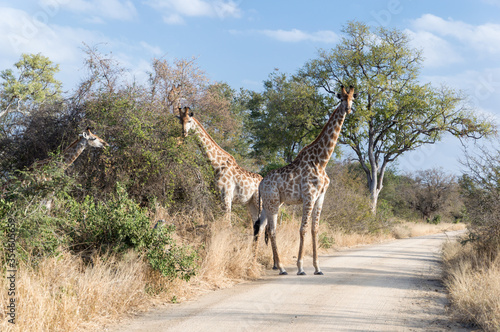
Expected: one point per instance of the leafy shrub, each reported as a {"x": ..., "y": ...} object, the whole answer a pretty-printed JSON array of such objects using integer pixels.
[
  {"x": 115, "y": 225},
  {"x": 346, "y": 206},
  {"x": 435, "y": 220},
  {"x": 326, "y": 241},
  {"x": 480, "y": 188}
]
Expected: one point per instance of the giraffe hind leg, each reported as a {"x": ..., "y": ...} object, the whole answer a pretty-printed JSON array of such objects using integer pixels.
[
  {"x": 272, "y": 235},
  {"x": 314, "y": 233}
]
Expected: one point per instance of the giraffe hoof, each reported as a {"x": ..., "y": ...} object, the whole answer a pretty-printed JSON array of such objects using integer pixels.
[
  {"x": 301, "y": 273},
  {"x": 275, "y": 268},
  {"x": 319, "y": 273},
  {"x": 284, "y": 273}
]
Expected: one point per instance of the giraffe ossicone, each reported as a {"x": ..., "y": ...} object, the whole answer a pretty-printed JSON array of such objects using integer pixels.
[
  {"x": 303, "y": 181},
  {"x": 236, "y": 185}
]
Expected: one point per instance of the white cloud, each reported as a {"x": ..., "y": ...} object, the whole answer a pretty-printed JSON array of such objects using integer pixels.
[
  {"x": 436, "y": 51},
  {"x": 24, "y": 33},
  {"x": 480, "y": 87},
  {"x": 294, "y": 35},
  {"x": 173, "y": 19},
  {"x": 97, "y": 10},
  {"x": 481, "y": 38},
  {"x": 174, "y": 11},
  {"x": 155, "y": 50},
  {"x": 492, "y": 2}
]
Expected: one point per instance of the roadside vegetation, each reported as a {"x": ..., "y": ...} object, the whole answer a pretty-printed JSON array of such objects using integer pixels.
[
  {"x": 140, "y": 223},
  {"x": 472, "y": 267}
]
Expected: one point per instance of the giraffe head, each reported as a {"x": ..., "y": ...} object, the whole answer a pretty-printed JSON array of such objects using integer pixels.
[
  {"x": 346, "y": 98},
  {"x": 93, "y": 140},
  {"x": 186, "y": 118}
]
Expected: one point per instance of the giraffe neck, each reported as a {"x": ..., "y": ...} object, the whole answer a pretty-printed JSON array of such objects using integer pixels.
[
  {"x": 217, "y": 156},
  {"x": 73, "y": 151},
  {"x": 321, "y": 149}
]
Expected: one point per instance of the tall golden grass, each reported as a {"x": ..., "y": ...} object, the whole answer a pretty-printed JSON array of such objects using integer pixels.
[
  {"x": 61, "y": 294},
  {"x": 473, "y": 283},
  {"x": 64, "y": 294}
]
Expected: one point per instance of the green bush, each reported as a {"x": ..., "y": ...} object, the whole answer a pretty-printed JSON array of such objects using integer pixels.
[
  {"x": 435, "y": 220},
  {"x": 116, "y": 225},
  {"x": 326, "y": 241}
]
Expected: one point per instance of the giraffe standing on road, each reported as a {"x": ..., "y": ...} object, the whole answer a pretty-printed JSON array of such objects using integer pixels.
[
  {"x": 235, "y": 184},
  {"x": 304, "y": 181}
]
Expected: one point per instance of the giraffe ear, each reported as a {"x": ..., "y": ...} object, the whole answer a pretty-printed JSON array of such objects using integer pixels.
[
  {"x": 338, "y": 95},
  {"x": 355, "y": 95},
  {"x": 191, "y": 114}
]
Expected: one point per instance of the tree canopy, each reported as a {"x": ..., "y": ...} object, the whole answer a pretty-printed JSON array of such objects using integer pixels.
[
  {"x": 31, "y": 83},
  {"x": 284, "y": 118},
  {"x": 394, "y": 112}
]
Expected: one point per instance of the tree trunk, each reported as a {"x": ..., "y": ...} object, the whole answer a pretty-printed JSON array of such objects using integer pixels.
[
  {"x": 374, "y": 191},
  {"x": 373, "y": 201},
  {"x": 375, "y": 181}
]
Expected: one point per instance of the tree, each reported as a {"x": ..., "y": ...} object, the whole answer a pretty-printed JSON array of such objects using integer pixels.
[
  {"x": 433, "y": 192},
  {"x": 394, "y": 113},
  {"x": 32, "y": 83},
  {"x": 480, "y": 189},
  {"x": 289, "y": 114}
]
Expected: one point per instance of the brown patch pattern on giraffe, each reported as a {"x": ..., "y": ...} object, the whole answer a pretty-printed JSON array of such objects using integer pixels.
[
  {"x": 236, "y": 185},
  {"x": 304, "y": 181}
]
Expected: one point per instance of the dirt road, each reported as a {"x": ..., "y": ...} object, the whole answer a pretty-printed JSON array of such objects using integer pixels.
[{"x": 388, "y": 287}]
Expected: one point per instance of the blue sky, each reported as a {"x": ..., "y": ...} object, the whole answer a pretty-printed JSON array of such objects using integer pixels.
[{"x": 241, "y": 42}]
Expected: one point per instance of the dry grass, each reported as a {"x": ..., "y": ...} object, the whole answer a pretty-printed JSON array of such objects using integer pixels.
[
  {"x": 410, "y": 229},
  {"x": 473, "y": 282},
  {"x": 228, "y": 257},
  {"x": 63, "y": 294}
]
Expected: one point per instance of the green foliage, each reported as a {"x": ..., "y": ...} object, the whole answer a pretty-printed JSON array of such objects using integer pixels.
[
  {"x": 326, "y": 241},
  {"x": 346, "y": 204},
  {"x": 288, "y": 115},
  {"x": 83, "y": 227},
  {"x": 31, "y": 84},
  {"x": 394, "y": 113},
  {"x": 271, "y": 166},
  {"x": 423, "y": 195},
  {"x": 480, "y": 189},
  {"x": 147, "y": 156},
  {"x": 436, "y": 220}
]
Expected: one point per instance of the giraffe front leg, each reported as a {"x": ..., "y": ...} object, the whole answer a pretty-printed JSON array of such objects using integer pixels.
[
  {"x": 314, "y": 232},
  {"x": 227, "y": 198},
  {"x": 306, "y": 216}
]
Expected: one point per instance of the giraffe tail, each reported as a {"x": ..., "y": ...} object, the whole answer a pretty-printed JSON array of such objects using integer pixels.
[
  {"x": 256, "y": 229},
  {"x": 256, "y": 225}
]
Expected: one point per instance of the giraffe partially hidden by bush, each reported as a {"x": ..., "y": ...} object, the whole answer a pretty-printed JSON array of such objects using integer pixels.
[
  {"x": 236, "y": 185},
  {"x": 74, "y": 150},
  {"x": 69, "y": 155},
  {"x": 303, "y": 181}
]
